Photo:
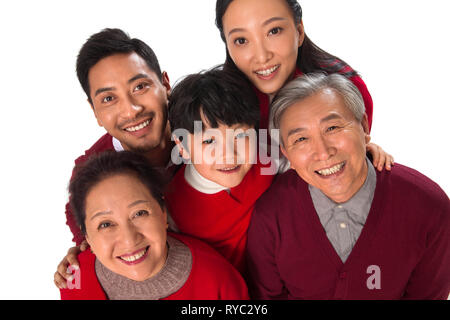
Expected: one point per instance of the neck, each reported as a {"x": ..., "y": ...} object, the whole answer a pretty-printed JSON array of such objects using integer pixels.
[{"x": 160, "y": 155}]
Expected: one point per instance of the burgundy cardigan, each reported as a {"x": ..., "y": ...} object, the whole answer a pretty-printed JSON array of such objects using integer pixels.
[{"x": 405, "y": 243}]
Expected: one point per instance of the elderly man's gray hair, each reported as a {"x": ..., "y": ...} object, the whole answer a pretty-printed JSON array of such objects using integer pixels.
[{"x": 310, "y": 84}]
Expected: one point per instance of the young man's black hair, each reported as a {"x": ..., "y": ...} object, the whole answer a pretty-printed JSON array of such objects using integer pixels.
[
  {"x": 215, "y": 94},
  {"x": 109, "y": 42}
]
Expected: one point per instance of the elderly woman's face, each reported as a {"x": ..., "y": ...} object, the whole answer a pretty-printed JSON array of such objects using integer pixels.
[
  {"x": 126, "y": 227},
  {"x": 325, "y": 144}
]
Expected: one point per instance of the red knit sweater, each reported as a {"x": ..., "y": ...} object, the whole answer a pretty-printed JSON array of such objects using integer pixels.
[
  {"x": 406, "y": 236},
  {"x": 219, "y": 219},
  {"x": 357, "y": 81},
  {"x": 211, "y": 277}
]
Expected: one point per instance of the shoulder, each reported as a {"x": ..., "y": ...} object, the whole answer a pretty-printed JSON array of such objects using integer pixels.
[
  {"x": 282, "y": 189},
  {"x": 205, "y": 257},
  {"x": 102, "y": 144},
  {"x": 421, "y": 200},
  {"x": 411, "y": 182},
  {"x": 85, "y": 285}
]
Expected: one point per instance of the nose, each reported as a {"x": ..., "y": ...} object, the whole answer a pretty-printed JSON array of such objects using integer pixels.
[
  {"x": 129, "y": 108},
  {"x": 130, "y": 236},
  {"x": 262, "y": 51},
  {"x": 323, "y": 149},
  {"x": 230, "y": 151}
]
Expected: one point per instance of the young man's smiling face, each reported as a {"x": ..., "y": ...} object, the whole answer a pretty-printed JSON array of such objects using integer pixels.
[
  {"x": 326, "y": 144},
  {"x": 130, "y": 101}
]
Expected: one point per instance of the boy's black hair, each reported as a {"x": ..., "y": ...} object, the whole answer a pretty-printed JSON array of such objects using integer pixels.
[
  {"x": 107, "y": 164},
  {"x": 219, "y": 96},
  {"x": 109, "y": 42}
]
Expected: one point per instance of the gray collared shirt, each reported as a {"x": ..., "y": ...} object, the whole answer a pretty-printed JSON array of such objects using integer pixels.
[{"x": 343, "y": 222}]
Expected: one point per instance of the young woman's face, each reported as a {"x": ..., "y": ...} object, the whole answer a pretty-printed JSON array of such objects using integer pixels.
[
  {"x": 126, "y": 227},
  {"x": 263, "y": 39}
]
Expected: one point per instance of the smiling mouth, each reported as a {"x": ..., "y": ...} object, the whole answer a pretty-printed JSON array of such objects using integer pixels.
[
  {"x": 135, "y": 257},
  {"x": 267, "y": 72},
  {"x": 140, "y": 126},
  {"x": 230, "y": 169},
  {"x": 332, "y": 170}
]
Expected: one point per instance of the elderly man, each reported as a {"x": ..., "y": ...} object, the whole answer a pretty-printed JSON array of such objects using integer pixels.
[{"x": 335, "y": 228}]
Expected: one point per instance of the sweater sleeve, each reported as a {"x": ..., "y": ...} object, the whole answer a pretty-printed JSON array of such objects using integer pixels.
[
  {"x": 264, "y": 279},
  {"x": 431, "y": 277},
  {"x": 368, "y": 103}
]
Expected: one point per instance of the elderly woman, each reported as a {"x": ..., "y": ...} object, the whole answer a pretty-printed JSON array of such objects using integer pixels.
[{"x": 118, "y": 204}]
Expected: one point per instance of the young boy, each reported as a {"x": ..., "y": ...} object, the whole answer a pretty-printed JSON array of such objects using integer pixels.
[{"x": 214, "y": 118}]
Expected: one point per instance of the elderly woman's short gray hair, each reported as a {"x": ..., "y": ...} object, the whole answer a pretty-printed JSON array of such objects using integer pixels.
[{"x": 310, "y": 84}]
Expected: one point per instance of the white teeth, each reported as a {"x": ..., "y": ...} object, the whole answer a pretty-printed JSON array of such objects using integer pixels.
[
  {"x": 139, "y": 127},
  {"x": 267, "y": 71},
  {"x": 332, "y": 170},
  {"x": 135, "y": 257},
  {"x": 228, "y": 169}
]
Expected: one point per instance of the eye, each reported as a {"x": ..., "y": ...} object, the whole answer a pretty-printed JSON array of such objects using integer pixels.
[
  {"x": 240, "y": 41},
  {"x": 107, "y": 99},
  {"x": 208, "y": 141},
  {"x": 141, "y": 213},
  {"x": 242, "y": 135},
  {"x": 301, "y": 139},
  {"x": 104, "y": 225},
  {"x": 275, "y": 30},
  {"x": 332, "y": 128},
  {"x": 141, "y": 87}
]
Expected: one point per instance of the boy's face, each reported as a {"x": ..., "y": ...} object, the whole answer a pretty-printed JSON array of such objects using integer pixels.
[{"x": 223, "y": 155}]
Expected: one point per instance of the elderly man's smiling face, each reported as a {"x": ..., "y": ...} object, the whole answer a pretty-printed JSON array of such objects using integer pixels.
[{"x": 326, "y": 144}]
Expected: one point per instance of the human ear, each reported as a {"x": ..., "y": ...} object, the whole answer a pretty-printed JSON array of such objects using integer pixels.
[
  {"x": 283, "y": 151},
  {"x": 301, "y": 33},
  {"x": 166, "y": 82},
  {"x": 365, "y": 126},
  {"x": 181, "y": 149}
]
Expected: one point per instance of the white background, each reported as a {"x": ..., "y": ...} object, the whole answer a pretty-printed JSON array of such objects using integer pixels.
[{"x": 399, "y": 47}]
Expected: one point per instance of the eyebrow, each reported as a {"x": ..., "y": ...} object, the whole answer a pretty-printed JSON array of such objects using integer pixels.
[
  {"x": 101, "y": 213},
  {"x": 135, "y": 203},
  {"x": 332, "y": 116},
  {"x": 265, "y": 23},
  {"x": 136, "y": 77}
]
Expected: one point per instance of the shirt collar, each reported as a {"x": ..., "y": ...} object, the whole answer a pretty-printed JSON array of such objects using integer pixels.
[
  {"x": 356, "y": 204},
  {"x": 200, "y": 183},
  {"x": 118, "y": 148}
]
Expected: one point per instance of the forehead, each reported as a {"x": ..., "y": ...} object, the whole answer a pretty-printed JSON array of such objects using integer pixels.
[
  {"x": 118, "y": 68},
  {"x": 118, "y": 189},
  {"x": 315, "y": 109},
  {"x": 245, "y": 11}
]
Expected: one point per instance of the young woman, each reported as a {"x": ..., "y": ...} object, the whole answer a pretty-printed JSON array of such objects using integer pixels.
[
  {"x": 266, "y": 44},
  {"x": 117, "y": 200}
]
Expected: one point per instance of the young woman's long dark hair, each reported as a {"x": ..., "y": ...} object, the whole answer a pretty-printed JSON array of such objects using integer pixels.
[{"x": 310, "y": 57}]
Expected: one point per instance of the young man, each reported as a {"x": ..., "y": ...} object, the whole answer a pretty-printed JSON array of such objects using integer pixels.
[
  {"x": 128, "y": 94},
  {"x": 213, "y": 118},
  {"x": 334, "y": 227}
]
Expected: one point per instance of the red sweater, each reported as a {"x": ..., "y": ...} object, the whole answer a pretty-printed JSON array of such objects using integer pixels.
[
  {"x": 211, "y": 277},
  {"x": 357, "y": 81},
  {"x": 406, "y": 236},
  {"x": 103, "y": 144},
  {"x": 219, "y": 219}
]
